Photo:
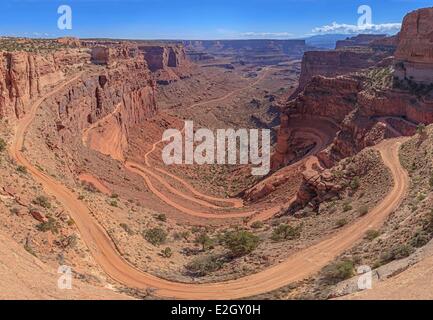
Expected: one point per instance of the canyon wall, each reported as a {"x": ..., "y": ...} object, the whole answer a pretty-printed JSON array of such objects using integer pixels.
[
  {"x": 121, "y": 96},
  {"x": 414, "y": 55},
  {"x": 25, "y": 75},
  {"x": 360, "y": 40},
  {"x": 168, "y": 62}
]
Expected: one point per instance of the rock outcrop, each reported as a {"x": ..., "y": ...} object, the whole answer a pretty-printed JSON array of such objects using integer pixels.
[
  {"x": 25, "y": 75},
  {"x": 360, "y": 40},
  {"x": 168, "y": 62},
  {"x": 123, "y": 94},
  {"x": 414, "y": 55}
]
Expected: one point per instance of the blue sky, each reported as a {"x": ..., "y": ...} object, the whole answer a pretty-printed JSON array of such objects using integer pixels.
[{"x": 199, "y": 19}]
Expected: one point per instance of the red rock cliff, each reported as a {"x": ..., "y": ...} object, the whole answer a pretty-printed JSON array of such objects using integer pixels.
[{"x": 24, "y": 76}]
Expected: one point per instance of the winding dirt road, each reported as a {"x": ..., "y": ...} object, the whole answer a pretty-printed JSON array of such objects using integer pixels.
[{"x": 298, "y": 266}]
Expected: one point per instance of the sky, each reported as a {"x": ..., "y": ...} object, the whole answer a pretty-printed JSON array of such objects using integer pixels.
[{"x": 202, "y": 19}]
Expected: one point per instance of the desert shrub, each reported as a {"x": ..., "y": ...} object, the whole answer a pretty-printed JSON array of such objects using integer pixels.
[
  {"x": 347, "y": 206},
  {"x": 50, "y": 225},
  {"x": 155, "y": 236},
  {"x": 371, "y": 234},
  {"x": 286, "y": 232},
  {"x": 42, "y": 201},
  {"x": 420, "y": 128},
  {"x": 421, "y": 238},
  {"x": 14, "y": 210},
  {"x": 240, "y": 242},
  {"x": 430, "y": 181},
  {"x": 167, "y": 252},
  {"x": 257, "y": 224},
  {"x": 396, "y": 253},
  {"x": 114, "y": 196},
  {"x": 114, "y": 203},
  {"x": 354, "y": 183},
  {"x": 181, "y": 235},
  {"x": 22, "y": 169},
  {"x": 127, "y": 229},
  {"x": 363, "y": 210},
  {"x": 2, "y": 145},
  {"x": 204, "y": 240},
  {"x": 161, "y": 217},
  {"x": 341, "y": 222},
  {"x": 204, "y": 265},
  {"x": 338, "y": 271}
]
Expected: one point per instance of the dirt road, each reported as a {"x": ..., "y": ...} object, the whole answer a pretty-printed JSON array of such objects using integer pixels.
[{"x": 298, "y": 266}]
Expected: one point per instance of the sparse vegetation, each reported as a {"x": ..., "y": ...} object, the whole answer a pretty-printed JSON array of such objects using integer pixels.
[
  {"x": 398, "y": 252},
  {"x": 341, "y": 222},
  {"x": 155, "y": 236},
  {"x": 354, "y": 183},
  {"x": 14, "y": 210},
  {"x": 363, "y": 210},
  {"x": 240, "y": 242},
  {"x": 204, "y": 240},
  {"x": 2, "y": 145},
  {"x": 161, "y": 217},
  {"x": 167, "y": 252},
  {"x": 286, "y": 232},
  {"x": 42, "y": 201},
  {"x": 257, "y": 224},
  {"x": 371, "y": 234},
  {"x": 22, "y": 169},
  {"x": 347, "y": 206},
  {"x": 204, "y": 265},
  {"x": 50, "y": 225},
  {"x": 127, "y": 229},
  {"x": 338, "y": 271}
]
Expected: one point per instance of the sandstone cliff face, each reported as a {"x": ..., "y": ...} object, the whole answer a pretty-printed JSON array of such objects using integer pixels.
[
  {"x": 123, "y": 94},
  {"x": 23, "y": 76},
  {"x": 327, "y": 97},
  {"x": 414, "y": 55},
  {"x": 168, "y": 62},
  {"x": 345, "y": 60}
]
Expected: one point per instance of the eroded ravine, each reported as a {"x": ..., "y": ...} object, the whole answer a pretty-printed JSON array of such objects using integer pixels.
[{"x": 296, "y": 267}]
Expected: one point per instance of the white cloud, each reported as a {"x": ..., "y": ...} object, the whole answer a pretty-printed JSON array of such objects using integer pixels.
[
  {"x": 266, "y": 34},
  {"x": 389, "y": 28}
]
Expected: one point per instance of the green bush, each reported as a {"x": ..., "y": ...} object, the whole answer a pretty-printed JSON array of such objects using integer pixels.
[
  {"x": 338, "y": 271},
  {"x": 42, "y": 201},
  {"x": 155, "y": 236},
  {"x": 341, "y": 223},
  {"x": 421, "y": 238},
  {"x": 50, "y": 225},
  {"x": 286, "y": 232},
  {"x": 354, "y": 184},
  {"x": 240, "y": 242},
  {"x": 2, "y": 145},
  {"x": 204, "y": 240},
  {"x": 363, "y": 210},
  {"x": 167, "y": 252},
  {"x": 347, "y": 206},
  {"x": 127, "y": 229},
  {"x": 114, "y": 203},
  {"x": 257, "y": 224},
  {"x": 372, "y": 234},
  {"x": 396, "y": 253},
  {"x": 22, "y": 169},
  {"x": 204, "y": 265},
  {"x": 161, "y": 217}
]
